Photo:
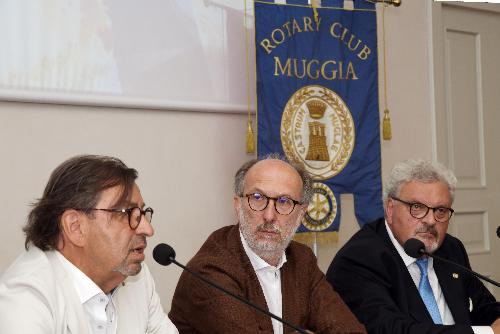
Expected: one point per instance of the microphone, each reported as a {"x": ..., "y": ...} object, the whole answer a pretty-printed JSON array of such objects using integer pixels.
[
  {"x": 164, "y": 254},
  {"x": 498, "y": 231},
  {"x": 416, "y": 248}
]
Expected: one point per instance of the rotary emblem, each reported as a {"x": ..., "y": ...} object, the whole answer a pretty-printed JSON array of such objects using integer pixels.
[
  {"x": 317, "y": 129},
  {"x": 322, "y": 209}
]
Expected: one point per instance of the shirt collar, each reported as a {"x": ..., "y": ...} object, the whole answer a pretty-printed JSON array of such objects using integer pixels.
[
  {"x": 257, "y": 262},
  {"x": 406, "y": 258},
  {"x": 85, "y": 287}
]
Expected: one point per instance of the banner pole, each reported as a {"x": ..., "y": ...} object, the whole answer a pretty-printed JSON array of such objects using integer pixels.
[{"x": 315, "y": 244}]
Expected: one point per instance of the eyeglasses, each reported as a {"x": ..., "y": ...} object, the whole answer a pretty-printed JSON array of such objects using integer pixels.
[
  {"x": 134, "y": 214},
  {"x": 282, "y": 204},
  {"x": 418, "y": 210}
]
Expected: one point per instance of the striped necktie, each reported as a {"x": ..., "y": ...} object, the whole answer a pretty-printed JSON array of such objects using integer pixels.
[{"x": 426, "y": 293}]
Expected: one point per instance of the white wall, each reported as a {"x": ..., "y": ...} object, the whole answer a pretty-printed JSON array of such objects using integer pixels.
[{"x": 186, "y": 160}]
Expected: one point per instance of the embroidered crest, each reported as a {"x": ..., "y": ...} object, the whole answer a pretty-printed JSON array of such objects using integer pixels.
[
  {"x": 317, "y": 129},
  {"x": 321, "y": 210}
]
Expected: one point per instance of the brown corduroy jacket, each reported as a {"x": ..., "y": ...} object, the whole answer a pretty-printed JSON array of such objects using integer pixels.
[{"x": 308, "y": 299}]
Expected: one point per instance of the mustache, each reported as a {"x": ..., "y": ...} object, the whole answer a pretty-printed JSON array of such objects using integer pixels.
[
  {"x": 268, "y": 227},
  {"x": 140, "y": 241},
  {"x": 426, "y": 229}
]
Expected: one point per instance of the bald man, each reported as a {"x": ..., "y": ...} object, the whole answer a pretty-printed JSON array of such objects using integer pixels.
[{"x": 257, "y": 260}]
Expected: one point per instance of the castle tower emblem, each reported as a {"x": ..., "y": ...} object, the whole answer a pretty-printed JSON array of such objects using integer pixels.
[
  {"x": 317, "y": 135},
  {"x": 317, "y": 130}
]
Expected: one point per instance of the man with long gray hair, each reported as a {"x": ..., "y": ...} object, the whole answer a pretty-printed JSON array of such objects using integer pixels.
[
  {"x": 83, "y": 271},
  {"x": 392, "y": 292},
  {"x": 257, "y": 260}
]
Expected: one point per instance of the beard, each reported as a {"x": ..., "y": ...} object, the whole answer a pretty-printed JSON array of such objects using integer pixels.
[
  {"x": 431, "y": 245},
  {"x": 266, "y": 247},
  {"x": 127, "y": 267}
]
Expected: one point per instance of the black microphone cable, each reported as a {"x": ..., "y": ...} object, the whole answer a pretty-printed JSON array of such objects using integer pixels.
[
  {"x": 416, "y": 248},
  {"x": 164, "y": 254}
]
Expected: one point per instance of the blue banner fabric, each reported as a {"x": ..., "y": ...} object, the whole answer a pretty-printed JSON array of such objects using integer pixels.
[{"x": 317, "y": 103}]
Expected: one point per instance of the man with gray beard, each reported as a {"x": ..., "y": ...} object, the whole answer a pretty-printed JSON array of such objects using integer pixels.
[
  {"x": 257, "y": 260},
  {"x": 392, "y": 292}
]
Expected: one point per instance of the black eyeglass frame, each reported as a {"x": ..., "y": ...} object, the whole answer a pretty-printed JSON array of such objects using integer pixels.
[
  {"x": 410, "y": 205},
  {"x": 128, "y": 211},
  {"x": 275, "y": 199}
]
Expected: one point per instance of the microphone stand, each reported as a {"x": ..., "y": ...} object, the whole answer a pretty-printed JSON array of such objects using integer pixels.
[
  {"x": 461, "y": 267},
  {"x": 238, "y": 297}
]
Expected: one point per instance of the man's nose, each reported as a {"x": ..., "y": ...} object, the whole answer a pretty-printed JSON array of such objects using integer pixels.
[
  {"x": 429, "y": 218},
  {"x": 145, "y": 227},
  {"x": 270, "y": 211}
]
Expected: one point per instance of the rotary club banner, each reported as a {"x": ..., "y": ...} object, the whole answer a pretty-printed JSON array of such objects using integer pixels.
[{"x": 317, "y": 102}]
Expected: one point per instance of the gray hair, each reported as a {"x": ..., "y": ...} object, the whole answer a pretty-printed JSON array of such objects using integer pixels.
[
  {"x": 421, "y": 171},
  {"x": 307, "y": 181}
]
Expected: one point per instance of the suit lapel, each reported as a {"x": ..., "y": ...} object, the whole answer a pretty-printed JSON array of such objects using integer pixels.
[
  {"x": 451, "y": 282},
  {"x": 406, "y": 291},
  {"x": 416, "y": 307}
]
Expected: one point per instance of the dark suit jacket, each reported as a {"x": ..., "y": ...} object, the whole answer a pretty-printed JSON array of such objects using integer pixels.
[
  {"x": 374, "y": 282},
  {"x": 308, "y": 300}
]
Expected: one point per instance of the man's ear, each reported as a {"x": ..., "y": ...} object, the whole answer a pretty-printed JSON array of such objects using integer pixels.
[
  {"x": 237, "y": 205},
  {"x": 389, "y": 207},
  {"x": 303, "y": 210},
  {"x": 73, "y": 227}
]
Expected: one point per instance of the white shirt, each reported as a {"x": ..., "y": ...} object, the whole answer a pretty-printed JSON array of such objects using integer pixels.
[
  {"x": 98, "y": 306},
  {"x": 270, "y": 281},
  {"x": 411, "y": 265}
]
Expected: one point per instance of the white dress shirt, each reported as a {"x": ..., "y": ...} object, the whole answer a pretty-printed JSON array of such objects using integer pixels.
[
  {"x": 98, "y": 306},
  {"x": 38, "y": 295},
  {"x": 414, "y": 271},
  {"x": 270, "y": 281}
]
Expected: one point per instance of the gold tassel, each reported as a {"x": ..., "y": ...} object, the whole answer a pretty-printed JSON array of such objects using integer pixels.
[
  {"x": 250, "y": 139},
  {"x": 386, "y": 123},
  {"x": 250, "y": 136},
  {"x": 386, "y": 126}
]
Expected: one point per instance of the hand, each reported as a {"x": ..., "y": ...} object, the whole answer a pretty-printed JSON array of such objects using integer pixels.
[{"x": 496, "y": 326}]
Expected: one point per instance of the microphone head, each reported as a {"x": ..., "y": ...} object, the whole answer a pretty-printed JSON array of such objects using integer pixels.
[
  {"x": 163, "y": 254},
  {"x": 414, "y": 247},
  {"x": 498, "y": 231}
]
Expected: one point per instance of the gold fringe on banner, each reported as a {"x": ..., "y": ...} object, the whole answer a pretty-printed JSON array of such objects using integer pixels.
[{"x": 309, "y": 238}]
